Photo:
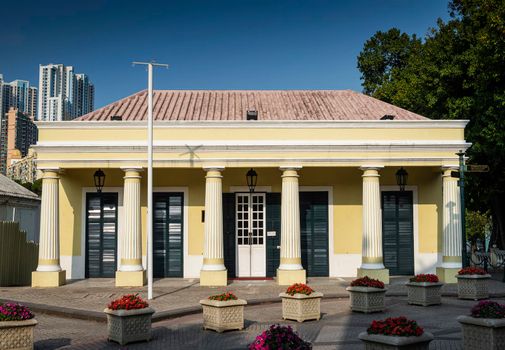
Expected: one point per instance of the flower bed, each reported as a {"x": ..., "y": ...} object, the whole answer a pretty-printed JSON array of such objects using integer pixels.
[
  {"x": 367, "y": 295},
  {"x": 129, "y": 319},
  {"x": 16, "y": 327},
  {"x": 301, "y": 303},
  {"x": 279, "y": 337},
  {"x": 395, "y": 333},
  {"x": 485, "y": 327},
  {"x": 472, "y": 271},
  {"x": 473, "y": 283},
  {"x": 223, "y": 312},
  {"x": 424, "y": 289}
]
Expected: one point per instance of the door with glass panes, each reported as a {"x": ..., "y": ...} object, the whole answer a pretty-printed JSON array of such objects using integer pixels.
[
  {"x": 101, "y": 234},
  {"x": 250, "y": 234}
]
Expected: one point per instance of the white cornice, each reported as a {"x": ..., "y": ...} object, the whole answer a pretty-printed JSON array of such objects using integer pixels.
[{"x": 261, "y": 124}]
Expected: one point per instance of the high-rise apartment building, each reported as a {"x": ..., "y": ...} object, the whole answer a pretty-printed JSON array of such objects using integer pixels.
[
  {"x": 17, "y": 133},
  {"x": 18, "y": 94},
  {"x": 63, "y": 94}
]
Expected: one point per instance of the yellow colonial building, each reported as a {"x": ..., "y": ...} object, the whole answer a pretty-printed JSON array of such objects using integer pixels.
[{"x": 327, "y": 201}]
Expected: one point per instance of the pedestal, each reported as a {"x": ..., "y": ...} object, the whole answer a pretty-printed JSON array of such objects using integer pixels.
[
  {"x": 130, "y": 278},
  {"x": 44, "y": 279}
]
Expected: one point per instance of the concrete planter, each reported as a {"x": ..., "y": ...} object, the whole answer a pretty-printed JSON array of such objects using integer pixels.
[
  {"x": 128, "y": 326},
  {"x": 483, "y": 333},
  {"x": 17, "y": 335},
  {"x": 424, "y": 293},
  {"x": 301, "y": 307},
  {"x": 367, "y": 299},
  {"x": 473, "y": 287},
  {"x": 223, "y": 315},
  {"x": 387, "y": 342}
]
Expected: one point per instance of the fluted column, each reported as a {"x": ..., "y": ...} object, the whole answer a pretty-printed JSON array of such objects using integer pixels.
[
  {"x": 372, "y": 261},
  {"x": 213, "y": 272},
  {"x": 131, "y": 242},
  {"x": 49, "y": 272},
  {"x": 131, "y": 272},
  {"x": 290, "y": 268},
  {"x": 451, "y": 226}
]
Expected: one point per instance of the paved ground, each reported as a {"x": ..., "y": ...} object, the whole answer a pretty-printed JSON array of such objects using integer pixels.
[
  {"x": 338, "y": 328},
  {"x": 59, "y": 312},
  {"x": 173, "y": 294}
]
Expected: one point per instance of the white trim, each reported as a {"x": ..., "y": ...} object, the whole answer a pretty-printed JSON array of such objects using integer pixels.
[
  {"x": 332, "y": 257},
  {"x": 258, "y": 124},
  {"x": 187, "y": 271},
  {"x": 234, "y": 189},
  {"x": 418, "y": 262},
  {"x": 77, "y": 263},
  {"x": 169, "y": 162}
]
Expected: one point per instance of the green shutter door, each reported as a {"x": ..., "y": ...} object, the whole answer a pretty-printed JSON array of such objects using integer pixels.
[
  {"x": 273, "y": 224},
  {"x": 397, "y": 232},
  {"x": 229, "y": 232},
  {"x": 168, "y": 235},
  {"x": 314, "y": 232},
  {"x": 101, "y": 234}
]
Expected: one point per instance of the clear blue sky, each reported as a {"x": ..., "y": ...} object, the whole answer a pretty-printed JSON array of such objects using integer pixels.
[{"x": 239, "y": 44}]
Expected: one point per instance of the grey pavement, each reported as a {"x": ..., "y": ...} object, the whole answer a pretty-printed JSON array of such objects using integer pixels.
[
  {"x": 337, "y": 329},
  {"x": 87, "y": 298}
]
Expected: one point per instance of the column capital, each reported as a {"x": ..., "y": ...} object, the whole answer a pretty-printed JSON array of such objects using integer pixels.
[
  {"x": 132, "y": 168},
  {"x": 452, "y": 167},
  {"x": 213, "y": 168},
  {"x": 366, "y": 167},
  {"x": 290, "y": 167}
]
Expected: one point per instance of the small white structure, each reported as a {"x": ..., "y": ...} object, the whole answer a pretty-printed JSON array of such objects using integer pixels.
[{"x": 21, "y": 205}]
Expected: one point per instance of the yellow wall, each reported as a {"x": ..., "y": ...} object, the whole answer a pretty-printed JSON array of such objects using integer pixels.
[{"x": 347, "y": 197}]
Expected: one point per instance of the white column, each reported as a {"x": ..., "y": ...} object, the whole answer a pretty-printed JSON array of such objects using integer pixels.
[
  {"x": 213, "y": 249},
  {"x": 49, "y": 245},
  {"x": 131, "y": 240},
  {"x": 372, "y": 219},
  {"x": 451, "y": 222},
  {"x": 290, "y": 221}
]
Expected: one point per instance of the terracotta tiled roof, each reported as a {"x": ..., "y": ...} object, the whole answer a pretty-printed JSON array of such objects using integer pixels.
[{"x": 270, "y": 104}]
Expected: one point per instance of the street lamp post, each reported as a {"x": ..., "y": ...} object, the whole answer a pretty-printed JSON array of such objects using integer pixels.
[
  {"x": 461, "y": 184},
  {"x": 150, "y": 172}
]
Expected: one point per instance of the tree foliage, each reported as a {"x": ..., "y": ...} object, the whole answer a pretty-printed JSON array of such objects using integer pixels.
[{"x": 457, "y": 71}]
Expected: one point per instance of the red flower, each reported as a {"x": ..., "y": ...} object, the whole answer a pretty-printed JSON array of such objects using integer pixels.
[
  {"x": 128, "y": 302},
  {"x": 223, "y": 296},
  {"x": 472, "y": 271},
  {"x": 425, "y": 278},
  {"x": 367, "y": 282},
  {"x": 299, "y": 288},
  {"x": 399, "y": 326}
]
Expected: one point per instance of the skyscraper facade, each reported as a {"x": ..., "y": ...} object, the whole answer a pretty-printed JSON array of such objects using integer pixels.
[
  {"x": 63, "y": 94},
  {"x": 18, "y": 94}
]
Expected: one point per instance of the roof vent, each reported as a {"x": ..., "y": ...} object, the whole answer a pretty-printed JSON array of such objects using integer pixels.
[
  {"x": 116, "y": 118},
  {"x": 252, "y": 114},
  {"x": 388, "y": 117}
]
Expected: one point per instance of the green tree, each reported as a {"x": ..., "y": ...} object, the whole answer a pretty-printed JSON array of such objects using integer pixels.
[{"x": 456, "y": 72}]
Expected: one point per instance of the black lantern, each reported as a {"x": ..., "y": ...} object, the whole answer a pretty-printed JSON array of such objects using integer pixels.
[
  {"x": 401, "y": 178},
  {"x": 252, "y": 179},
  {"x": 99, "y": 177}
]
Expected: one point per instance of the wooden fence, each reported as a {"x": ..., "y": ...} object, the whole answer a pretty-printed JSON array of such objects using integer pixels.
[{"x": 18, "y": 258}]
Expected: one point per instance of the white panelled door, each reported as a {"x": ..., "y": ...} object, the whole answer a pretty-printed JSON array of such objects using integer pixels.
[{"x": 250, "y": 224}]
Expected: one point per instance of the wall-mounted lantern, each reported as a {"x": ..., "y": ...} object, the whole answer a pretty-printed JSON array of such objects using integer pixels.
[
  {"x": 99, "y": 178},
  {"x": 252, "y": 179},
  {"x": 401, "y": 178}
]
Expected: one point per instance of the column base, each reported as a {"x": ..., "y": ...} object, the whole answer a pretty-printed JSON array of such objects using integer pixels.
[
  {"x": 43, "y": 279},
  {"x": 378, "y": 274},
  {"x": 288, "y": 277},
  {"x": 130, "y": 278},
  {"x": 211, "y": 278},
  {"x": 447, "y": 274}
]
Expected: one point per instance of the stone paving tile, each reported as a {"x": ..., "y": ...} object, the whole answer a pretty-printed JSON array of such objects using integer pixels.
[
  {"x": 337, "y": 329},
  {"x": 172, "y": 294}
]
